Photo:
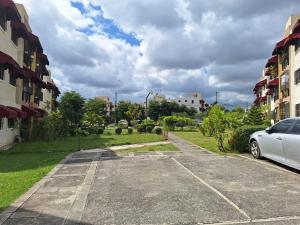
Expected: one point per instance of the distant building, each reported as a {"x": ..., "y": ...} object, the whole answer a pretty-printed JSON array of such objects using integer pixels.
[
  {"x": 109, "y": 105},
  {"x": 159, "y": 98},
  {"x": 194, "y": 100}
]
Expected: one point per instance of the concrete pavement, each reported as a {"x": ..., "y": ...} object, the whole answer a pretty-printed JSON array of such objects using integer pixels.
[{"x": 187, "y": 187}]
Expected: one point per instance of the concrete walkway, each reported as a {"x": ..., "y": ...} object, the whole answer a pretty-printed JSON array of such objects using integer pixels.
[
  {"x": 188, "y": 187},
  {"x": 122, "y": 147}
]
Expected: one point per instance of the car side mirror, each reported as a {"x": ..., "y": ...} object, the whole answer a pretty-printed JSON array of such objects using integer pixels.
[{"x": 269, "y": 130}]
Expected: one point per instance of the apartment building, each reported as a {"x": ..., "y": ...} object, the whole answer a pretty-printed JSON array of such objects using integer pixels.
[
  {"x": 27, "y": 91},
  {"x": 193, "y": 100},
  {"x": 279, "y": 86}
]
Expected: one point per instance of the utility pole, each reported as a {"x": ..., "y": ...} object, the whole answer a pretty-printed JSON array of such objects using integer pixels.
[
  {"x": 116, "y": 102},
  {"x": 146, "y": 111},
  {"x": 216, "y": 97}
]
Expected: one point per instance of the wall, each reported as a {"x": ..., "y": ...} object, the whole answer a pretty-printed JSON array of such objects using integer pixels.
[{"x": 295, "y": 89}]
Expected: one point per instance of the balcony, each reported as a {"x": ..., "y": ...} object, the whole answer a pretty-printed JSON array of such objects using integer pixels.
[{"x": 28, "y": 90}]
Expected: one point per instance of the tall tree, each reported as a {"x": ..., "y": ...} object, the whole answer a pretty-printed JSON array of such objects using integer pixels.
[
  {"x": 255, "y": 116},
  {"x": 135, "y": 112},
  {"x": 71, "y": 107},
  {"x": 96, "y": 106}
]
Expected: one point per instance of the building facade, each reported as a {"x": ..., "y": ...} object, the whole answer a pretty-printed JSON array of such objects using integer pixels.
[
  {"x": 27, "y": 91},
  {"x": 194, "y": 100},
  {"x": 279, "y": 86}
]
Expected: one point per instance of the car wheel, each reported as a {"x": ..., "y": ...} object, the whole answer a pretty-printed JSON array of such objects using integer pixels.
[{"x": 255, "y": 151}]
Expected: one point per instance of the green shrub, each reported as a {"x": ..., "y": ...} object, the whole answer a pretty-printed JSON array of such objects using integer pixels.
[
  {"x": 130, "y": 130},
  {"x": 158, "y": 130},
  {"x": 123, "y": 124},
  {"x": 118, "y": 130},
  {"x": 134, "y": 123},
  {"x": 240, "y": 139},
  {"x": 100, "y": 130},
  {"x": 149, "y": 129},
  {"x": 141, "y": 128}
]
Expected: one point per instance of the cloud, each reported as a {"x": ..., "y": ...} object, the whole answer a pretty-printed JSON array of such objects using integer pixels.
[{"x": 98, "y": 47}]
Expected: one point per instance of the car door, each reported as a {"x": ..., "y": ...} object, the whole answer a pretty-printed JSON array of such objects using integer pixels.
[
  {"x": 272, "y": 142},
  {"x": 291, "y": 146}
]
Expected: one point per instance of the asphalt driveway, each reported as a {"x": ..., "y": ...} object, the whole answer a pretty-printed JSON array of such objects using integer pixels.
[{"x": 188, "y": 187}]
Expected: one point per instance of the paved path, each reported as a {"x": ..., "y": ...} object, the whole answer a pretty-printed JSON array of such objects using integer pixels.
[
  {"x": 188, "y": 187},
  {"x": 122, "y": 147}
]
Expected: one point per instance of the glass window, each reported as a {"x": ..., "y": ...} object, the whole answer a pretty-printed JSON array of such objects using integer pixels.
[
  {"x": 11, "y": 123},
  {"x": 283, "y": 127},
  {"x": 1, "y": 73},
  {"x": 192, "y": 101},
  {"x": 2, "y": 18},
  {"x": 297, "y": 76},
  {"x": 12, "y": 79},
  {"x": 298, "y": 110},
  {"x": 296, "y": 128},
  {"x": 1, "y": 123}
]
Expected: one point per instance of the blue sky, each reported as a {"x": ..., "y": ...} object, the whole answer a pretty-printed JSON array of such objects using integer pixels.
[{"x": 109, "y": 27}]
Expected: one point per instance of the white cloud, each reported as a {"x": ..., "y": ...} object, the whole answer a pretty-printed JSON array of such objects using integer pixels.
[{"x": 187, "y": 45}]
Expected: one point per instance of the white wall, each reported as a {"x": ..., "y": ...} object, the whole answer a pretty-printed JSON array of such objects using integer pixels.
[{"x": 295, "y": 89}]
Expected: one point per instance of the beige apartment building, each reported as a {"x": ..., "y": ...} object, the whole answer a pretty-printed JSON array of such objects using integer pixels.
[
  {"x": 27, "y": 92},
  {"x": 279, "y": 86}
]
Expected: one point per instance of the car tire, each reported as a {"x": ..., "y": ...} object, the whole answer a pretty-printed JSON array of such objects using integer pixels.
[{"x": 255, "y": 150}]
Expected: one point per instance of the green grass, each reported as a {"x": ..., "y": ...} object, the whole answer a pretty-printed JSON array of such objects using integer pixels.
[
  {"x": 27, "y": 163},
  {"x": 154, "y": 148},
  {"x": 197, "y": 138}
]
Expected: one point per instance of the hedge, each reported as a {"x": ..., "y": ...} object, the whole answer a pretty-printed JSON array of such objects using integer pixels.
[
  {"x": 118, "y": 130},
  {"x": 240, "y": 138}
]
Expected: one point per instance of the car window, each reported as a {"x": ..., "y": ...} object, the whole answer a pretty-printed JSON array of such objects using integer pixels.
[
  {"x": 296, "y": 128},
  {"x": 283, "y": 126}
]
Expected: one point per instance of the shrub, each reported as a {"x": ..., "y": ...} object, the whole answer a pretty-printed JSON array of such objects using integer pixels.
[
  {"x": 158, "y": 130},
  {"x": 100, "y": 130},
  {"x": 123, "y": 124},
  {"x": 134, "y": 123},
  {"x": 149, "y": 129},
  {"x": 130, "y": 130},
  {"x": 141, "y": 128},
  {"x": 118, "y": 130},
  {"x": 240, "y": 139}
]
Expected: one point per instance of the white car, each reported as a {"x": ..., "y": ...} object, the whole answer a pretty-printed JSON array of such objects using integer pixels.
[{"x": 280, "y": 143}]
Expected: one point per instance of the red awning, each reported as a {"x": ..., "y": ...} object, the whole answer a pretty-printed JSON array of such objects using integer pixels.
[
  {"x": 273, "y": 60},
  {"x": 8, "y": 61},
  {"x": 292, "y": 38},
  {"x": 273, "y": 83},
  {"x": 43, "y": 58},
  {"x": 263, "y": 99},
  {"x": 21, "y": 114},
  {"x": 296, "y": 28},
  {"x": 12, "y": 11},
  {"x": 31, "y": 75},
  {"x": 269, "y": 92},
  {"x": 260, "y": 84},
  {"x": 268, "y": 72},
  {"x": 35, "y": 40},
  {"x": 30, "y": 111},
  {"x": 41, "y": 111},
  {"x": 279, "y": 46},
  {"x": 7, "y": 112},
  {"x": 20, "y": 28}
]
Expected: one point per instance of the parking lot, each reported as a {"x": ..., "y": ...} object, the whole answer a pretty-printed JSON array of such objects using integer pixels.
[{"x": 187, "y": 187}]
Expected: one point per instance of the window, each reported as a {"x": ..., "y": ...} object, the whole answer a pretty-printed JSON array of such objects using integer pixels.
[
  {"x": 14, "y": 37},
  {"x": 12, "y": 79},
  {"x": 1, "y": 73},
  {"x": 1, "y": 123},
  {"x": 192, "y": 101},
  {"x": 11, "y": 123},
  {"x": 298, "y": 110},
  {"x": 283, "y": 127},
  {"x": 296, "y": 128},
  {"x": 185, "y": 100},
  {"x": 297, "y": 76},
  {"x": 2, "y": 19}
]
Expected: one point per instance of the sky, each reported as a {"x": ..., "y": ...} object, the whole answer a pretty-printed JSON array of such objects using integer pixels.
[{"x": 172, "y": 47}]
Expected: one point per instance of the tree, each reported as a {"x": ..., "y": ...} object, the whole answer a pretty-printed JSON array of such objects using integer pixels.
[
  {"x": 71, "y": 107},
  {"x": 255, "y": 116},
  {"x": 97, "y": 106},
  {"x": 218, "y": 121},
  {"x": 135, "y": 112},
  {"x": 93, "y": 121},
  {"x": 122, "y": 108}
]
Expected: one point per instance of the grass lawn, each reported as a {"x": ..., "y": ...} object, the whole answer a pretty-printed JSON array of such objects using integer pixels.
[
  {"x": 157, "y": 148},
  {"x": 25, "y": 164},
  {"x": 197, "y": 138}
]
